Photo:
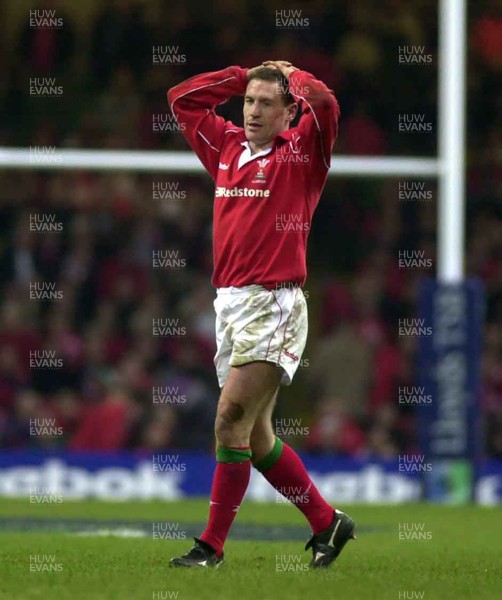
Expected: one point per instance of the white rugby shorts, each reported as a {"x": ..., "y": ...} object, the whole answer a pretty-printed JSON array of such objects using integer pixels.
[{"x": 256, "y": 324}]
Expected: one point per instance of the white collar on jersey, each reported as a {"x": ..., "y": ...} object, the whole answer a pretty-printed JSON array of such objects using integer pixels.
[{"x": 246, "y": 155}]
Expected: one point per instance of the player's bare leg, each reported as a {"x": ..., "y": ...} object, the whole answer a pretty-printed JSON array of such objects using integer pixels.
[
  {"x": 242, "y": 400},
  {"x": 285, "y": 471},
  {"x": 263, "y": 435},
  {"x": 243, "y": 395}
]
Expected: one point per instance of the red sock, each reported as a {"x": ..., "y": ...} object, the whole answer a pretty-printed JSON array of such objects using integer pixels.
[
  {"x": 230, "y": 482},
  {"x": 289, "y": 476}
]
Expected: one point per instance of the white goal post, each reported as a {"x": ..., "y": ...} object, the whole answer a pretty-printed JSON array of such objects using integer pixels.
[
  {"x": 448, "y": 167},
  {"x": 187, "y": 162}
]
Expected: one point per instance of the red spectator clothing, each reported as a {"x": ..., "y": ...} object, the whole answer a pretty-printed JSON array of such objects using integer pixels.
[
  {"x": 117, "y": 270},
  {"x": 263, "y": 208},
  {"x": 23, "y": 342},
  {"x": 43, "y": 49},
  {"x": 103, "y": 427},
  {"x": 10, "y": 386},
  {"x": 327, "y": 435},
  {"x": 487, "y": 38}
]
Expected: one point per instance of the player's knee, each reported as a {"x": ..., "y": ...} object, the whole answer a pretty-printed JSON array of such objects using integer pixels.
[{"x": 230, "y": 425}]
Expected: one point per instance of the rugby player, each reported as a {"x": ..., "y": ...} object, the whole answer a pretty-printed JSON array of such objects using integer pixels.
[{"x": 269, "y": 177}]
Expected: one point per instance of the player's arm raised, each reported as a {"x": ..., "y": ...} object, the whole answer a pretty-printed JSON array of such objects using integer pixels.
[
  {"x": 320, "y": 109},
  {"x": 193, "y": 103}
]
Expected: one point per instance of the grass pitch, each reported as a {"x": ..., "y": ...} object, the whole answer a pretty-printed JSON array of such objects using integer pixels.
[{"x": 107, "y": 551}]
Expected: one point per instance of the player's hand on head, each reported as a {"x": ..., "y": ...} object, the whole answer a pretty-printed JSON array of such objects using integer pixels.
[{"x": 284, "y": 66}]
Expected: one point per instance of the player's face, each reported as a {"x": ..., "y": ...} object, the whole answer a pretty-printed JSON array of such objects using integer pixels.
[{"x": 265, "y": 114}]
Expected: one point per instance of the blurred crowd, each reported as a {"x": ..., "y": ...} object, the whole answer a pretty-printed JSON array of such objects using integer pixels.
[{"x": 83, "y": 291}]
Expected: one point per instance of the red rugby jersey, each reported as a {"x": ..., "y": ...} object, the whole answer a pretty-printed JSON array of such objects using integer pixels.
[{"x": 263, "y": 208}]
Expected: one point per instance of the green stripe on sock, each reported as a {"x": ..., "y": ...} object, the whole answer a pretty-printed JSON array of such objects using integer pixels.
[
  {"x": 232, "y": 455},
  {"x": 269, "y": 461}
]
